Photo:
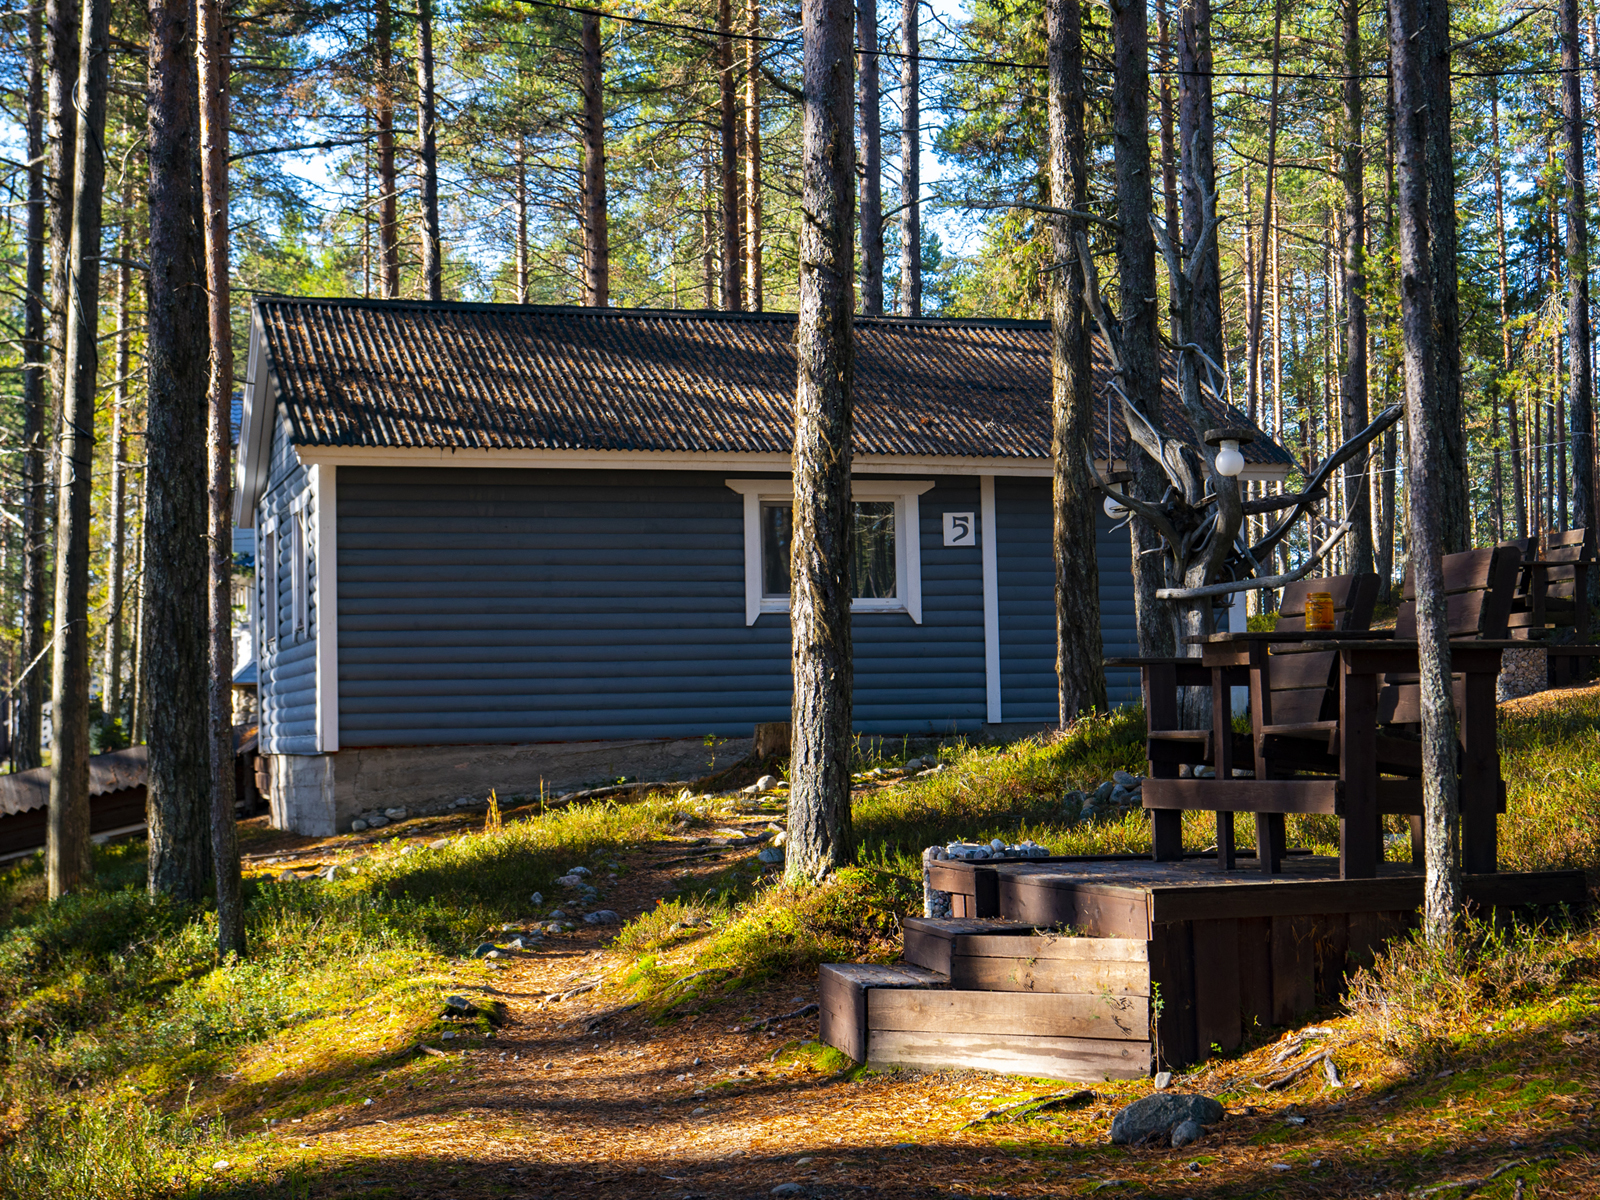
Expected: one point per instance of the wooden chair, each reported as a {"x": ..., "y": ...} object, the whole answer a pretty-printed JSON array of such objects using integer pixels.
[
  {"x": 1301, "y": 691},
  {"x": 1480, "y": 587},
  {"x": 1550, "y": 598}
]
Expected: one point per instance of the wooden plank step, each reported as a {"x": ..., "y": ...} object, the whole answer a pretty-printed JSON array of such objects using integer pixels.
[
  {"x": 928, "y": 941},
  {"x": 842, "y": 990},
  {"x": 1029, "y": 1014},
  {"x": 1084, "y": 1060}
]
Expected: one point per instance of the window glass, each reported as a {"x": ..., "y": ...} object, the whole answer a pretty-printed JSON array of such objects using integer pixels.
[
  {"x": 777, "y": 538},
  {"x": 872, "y": 558},
  {"x": 872, "y": 564}
]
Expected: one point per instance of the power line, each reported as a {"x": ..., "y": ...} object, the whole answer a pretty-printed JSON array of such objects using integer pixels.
[{"x": 962, "y": 60}]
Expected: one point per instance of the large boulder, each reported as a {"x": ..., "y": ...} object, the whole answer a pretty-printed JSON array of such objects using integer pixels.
[{"x": 1156, "y": 1116}]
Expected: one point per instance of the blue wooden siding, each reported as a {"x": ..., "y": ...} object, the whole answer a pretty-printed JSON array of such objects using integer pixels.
[
  {"x": 1026, "y": 566},
  {"x": 287, "y": 671},
  {"x": 524, "y": 605}
]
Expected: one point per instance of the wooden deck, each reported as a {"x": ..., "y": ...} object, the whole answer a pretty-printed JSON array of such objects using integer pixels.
[{"x": 1094, "y": 968}]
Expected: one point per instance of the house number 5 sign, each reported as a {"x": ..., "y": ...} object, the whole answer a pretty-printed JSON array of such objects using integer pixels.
[{"x": 960, "y": 529}]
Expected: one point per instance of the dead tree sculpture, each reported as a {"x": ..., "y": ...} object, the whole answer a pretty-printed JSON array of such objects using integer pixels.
[{"x": 1201, "y": 515}]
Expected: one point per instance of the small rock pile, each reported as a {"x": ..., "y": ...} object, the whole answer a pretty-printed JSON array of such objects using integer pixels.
[
  {"x": 377, "y": 818},
  {"x": 1116, "y": 796},
  {"x": 936, "y": 903},
  {"x": 1169, "y": 1117},
  {"x": 1522, "y": 673}
]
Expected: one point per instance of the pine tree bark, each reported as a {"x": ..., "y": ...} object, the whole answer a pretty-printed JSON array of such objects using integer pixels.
[
  {"x": 728, "y": 112},
  {"x": 1268, "y": 238},
  {"x": 1169, "y": 154},
  {"x": 1136, "y": 267},
  {"x": 820, "y": 831},
  {"x": 388, "y": 181},
  {"x": 1504, "y": 384},
  {"x": 1353, "y": 394},
  {"x": 596, "y": 227},
  {"x": 1415, "y": 160},
  {"x": 1197, "y": 155},
  {"x": 870, "y": 96},
  {"x": 428, "y": 156},
  {"x": 116, "y": 566},
  {"x": 68, "y": 863},
  {"x": 910, "y": 161},
  {"x": 1454, "y": 510},
  {"x": 62, "y": 69},
  {"x": 752, "y": 158},
  {"x": 214, "y": 57},
  {"x": 174, "y": 657},
  {"x": 522, "y": 222},
  {"x": 1080, "y": 673},
  {"x": 1580, "y": 409},
  {"x": 35, "y": 491}
]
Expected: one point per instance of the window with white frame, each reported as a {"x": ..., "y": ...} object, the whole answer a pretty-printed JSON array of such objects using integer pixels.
[
  {"x": 886, "y": 559},
  {"x": 267, "y": 577},
  {"x": 299, "y": 619}
]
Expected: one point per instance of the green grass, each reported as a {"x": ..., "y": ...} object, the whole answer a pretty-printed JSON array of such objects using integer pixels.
[
  {"x": 111, "y": 995},
  {"x": 131, "y": 1061}
]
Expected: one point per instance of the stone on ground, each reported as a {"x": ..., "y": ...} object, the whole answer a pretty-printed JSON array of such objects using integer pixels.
[{"x": 1158, "y": 1115}]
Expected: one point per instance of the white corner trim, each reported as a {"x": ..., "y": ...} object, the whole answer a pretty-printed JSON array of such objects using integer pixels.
[
  {"x": 255, "y": 430},
  {"x": 908, "y": 542},
  {"x": 991, "y": 596},
  {"x": 324, "y": 481}
]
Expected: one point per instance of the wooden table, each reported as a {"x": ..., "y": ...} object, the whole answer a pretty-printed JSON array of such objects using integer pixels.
[{"x": 1358, "y": 796}]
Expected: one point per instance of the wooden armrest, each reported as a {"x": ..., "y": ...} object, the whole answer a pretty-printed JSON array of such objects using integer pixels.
[{"x": 1150, "y": 662}]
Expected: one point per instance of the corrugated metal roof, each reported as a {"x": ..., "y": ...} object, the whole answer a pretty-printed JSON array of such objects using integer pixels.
[
  {"x": 498, "y": 376},
  {"x": 113, "y": 771}
]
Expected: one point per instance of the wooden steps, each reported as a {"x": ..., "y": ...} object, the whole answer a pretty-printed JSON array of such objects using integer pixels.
[{"x": 1178, "y": 958}]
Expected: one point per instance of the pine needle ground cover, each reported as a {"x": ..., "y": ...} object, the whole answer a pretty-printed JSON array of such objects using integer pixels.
[{"x": 676, "y": 1056}]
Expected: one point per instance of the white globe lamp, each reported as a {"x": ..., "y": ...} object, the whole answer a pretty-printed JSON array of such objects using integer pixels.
[{"x": 1226, "y": 442}]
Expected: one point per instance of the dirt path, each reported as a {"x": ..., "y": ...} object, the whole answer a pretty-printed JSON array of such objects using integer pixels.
[{"x": 587, "y": 1096}]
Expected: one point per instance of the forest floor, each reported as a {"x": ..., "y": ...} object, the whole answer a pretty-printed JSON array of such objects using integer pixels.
[{"x": 664, "y": 1059}]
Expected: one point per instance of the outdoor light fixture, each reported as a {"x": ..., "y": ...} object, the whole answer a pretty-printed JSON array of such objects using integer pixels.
[
  {"x": 1227, "y": 442},
  {"x": 1114, "y": 507}
]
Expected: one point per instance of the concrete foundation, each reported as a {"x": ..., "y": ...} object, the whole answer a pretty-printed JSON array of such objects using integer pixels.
[{"x": 320, "y": 794}]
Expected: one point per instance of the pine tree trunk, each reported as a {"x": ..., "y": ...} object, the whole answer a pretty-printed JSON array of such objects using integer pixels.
[
  {"x": 1456, "y": 527},
  {"x": 1080, "y": 673},
  {"x": 1504, "y": 383},
  {"x": 68, "y": 864},
  {"x": 910, "y": 162},
  {"x": 752, "y": 158},
  {"x": 1268, "y": 238},
  {"x": 1358, "y": 543},
  {"x": 1415, "y": 128},
  {"x": 1136, "y": 267},
  {"x": 522, "y": 222},
  {"x": 214, "y": 46},
  {"x": 173, "y": 658},
  {"x": 138, "y": 717},
  {"x": 869, "y": 104},
  {"x": 820, "y": 835},
  {"x": 61, "y": 49},
  {"x": 116, "y": 567},
  {"x": 388, "y": 182},
  {"x": 596, "y": 229},
  {"x": 728, "y": 112},
  {"x": 25, "y": 753},
  {"x": 708, "y": 231},
  {"x": 428, "y": 156},
  {"x": 1580, "y": 411},
  {"x": 1196, "y": 150},
  {"x": 1169, "y": 155}
]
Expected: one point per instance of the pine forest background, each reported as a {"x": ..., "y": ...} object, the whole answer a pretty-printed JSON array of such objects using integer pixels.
[{"x": 314, "y": 86}]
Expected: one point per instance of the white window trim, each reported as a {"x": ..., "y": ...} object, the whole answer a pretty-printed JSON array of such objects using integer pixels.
[{"x": 907, "y": 541}]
